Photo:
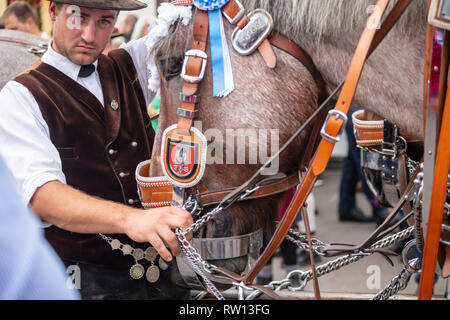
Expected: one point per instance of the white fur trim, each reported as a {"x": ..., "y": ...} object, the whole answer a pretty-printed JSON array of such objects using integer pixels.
[{"x": 168, "y": 14}]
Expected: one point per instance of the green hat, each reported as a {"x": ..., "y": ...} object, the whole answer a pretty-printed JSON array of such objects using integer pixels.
[{"x": 106, "y": 4}]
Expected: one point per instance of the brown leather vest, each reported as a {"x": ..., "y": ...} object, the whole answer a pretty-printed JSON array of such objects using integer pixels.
[{"x": 100, "y": 147}]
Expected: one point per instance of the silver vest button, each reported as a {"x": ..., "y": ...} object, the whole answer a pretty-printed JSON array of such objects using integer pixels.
[
  {"x": 131, "y": 201},
  {"x": 123, "y": 175},
  {"x": 134, "y": 144},
  {"x": 114, "y": 105},
  {"x": 112, "y": 151}
]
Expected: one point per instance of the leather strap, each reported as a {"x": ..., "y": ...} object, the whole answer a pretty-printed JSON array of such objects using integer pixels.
[
  {"x": 159, "y": 193},
  {"x": 311, "y": 252},
  {"x": 213, "y": 198},
  {"x": 368, "y": 133},
  {"x": 20, "y": 41},
  {"x": 193, "y": 68},
  {"x": 378, "y": 234},
  {"x": 333, "y": 127},
  {"x": 371, "y": 132},
  {"x": 232, "y": 10}
]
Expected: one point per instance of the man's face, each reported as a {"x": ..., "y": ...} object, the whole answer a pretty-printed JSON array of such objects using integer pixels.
[
  {"x": 81, "y": 34},
  {"x": 12, "y": 23}
]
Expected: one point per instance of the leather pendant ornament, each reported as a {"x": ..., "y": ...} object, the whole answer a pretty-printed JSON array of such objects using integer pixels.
[{"x": 183, "y": 158}]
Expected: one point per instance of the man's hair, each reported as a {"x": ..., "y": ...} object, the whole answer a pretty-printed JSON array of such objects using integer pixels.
[{"x": 22, "y": 10}]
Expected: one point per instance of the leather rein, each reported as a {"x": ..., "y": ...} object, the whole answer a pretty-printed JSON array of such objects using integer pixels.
[{"x": 258, "y": 186}]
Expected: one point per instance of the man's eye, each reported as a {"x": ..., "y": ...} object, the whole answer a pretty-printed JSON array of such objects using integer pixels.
[{"x": 105, "y": 22}]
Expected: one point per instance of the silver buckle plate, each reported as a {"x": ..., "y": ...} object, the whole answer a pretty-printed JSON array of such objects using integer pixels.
[
  {"x": 247, "y": 40},
  {"x": 238, "y": 16},
  {"x": 194, "y": 53},
  {"x": 338, "y": 114}
]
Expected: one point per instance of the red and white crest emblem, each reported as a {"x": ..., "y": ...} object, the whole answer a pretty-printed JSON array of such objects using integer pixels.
[{"x": 183, "y": 158}]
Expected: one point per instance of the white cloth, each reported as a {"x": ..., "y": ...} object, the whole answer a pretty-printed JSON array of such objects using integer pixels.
[
  {"x": 44, "y": 35},
  {"x": 24, "y": 135}
]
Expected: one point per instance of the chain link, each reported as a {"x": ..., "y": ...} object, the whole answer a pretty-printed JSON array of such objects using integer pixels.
[
  {"x": 199, "y": 265},
  {"x": 400, "y": 282},
  {"x": 305, "y": 276},
  {"x": 301, "y": 241}
]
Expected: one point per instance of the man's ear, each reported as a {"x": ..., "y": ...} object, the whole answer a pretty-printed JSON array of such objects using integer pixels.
[
  {"x": 30, "y": 22},
  {"x": 52, "y": 11}
]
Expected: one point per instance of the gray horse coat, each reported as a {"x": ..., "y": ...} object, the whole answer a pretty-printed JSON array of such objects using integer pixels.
[{"x": 15, "y": 53}]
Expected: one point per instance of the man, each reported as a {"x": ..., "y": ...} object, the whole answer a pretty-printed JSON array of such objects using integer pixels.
[
  {"x": 351, "y": 174},
  {"x": 20, "y": 16},
  {"x": 127, "y": 26},
  {"x": 29, "y": 267},
  {"x": 75, "y": 128}
]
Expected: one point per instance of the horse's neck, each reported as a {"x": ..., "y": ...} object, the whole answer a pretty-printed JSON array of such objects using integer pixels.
[{"x": 392, "y": 81}]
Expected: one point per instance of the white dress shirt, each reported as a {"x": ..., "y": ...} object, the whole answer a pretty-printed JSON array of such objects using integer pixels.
[{"x": 24, "y": 135}]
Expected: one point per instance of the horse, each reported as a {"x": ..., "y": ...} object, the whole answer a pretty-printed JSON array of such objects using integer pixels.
[
  {"x": 281, "y": 99},
  {"x": 19, "y": 51}
]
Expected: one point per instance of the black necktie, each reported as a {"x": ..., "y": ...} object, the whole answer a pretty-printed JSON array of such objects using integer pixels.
[{"x": 86, "y": 70}]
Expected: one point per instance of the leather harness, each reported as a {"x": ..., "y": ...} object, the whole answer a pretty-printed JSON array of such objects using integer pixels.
[
  {"x": 329, "y": 136},
  {"x": 153, "y": 193}
]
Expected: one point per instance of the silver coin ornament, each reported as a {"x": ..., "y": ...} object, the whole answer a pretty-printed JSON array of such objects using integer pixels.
[
  {"x": 152, "y": 274},
  {"x": 127, "y": 249},
  {"x": 137, "y": 271},
  {"x": 163, "y": 264},
  {"x": 138, "y": 254},
  {"x": 150, "y": 254},
  {"x": 115, "y": 244}
]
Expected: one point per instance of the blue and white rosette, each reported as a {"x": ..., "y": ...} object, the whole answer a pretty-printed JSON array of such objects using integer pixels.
[
  {"x": 210, "y": 5},
  {"x": 223, "y": 83}
]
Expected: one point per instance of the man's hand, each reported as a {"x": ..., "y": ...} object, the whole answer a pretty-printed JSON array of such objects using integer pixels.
[
  {"x": 158, "y": 225},
  {"x": 75, "y": 211}
]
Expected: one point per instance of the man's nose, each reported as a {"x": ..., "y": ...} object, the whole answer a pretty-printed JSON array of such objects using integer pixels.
[{"x": 88, "y": 32}]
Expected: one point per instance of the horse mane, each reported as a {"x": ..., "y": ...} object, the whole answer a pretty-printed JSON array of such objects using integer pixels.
[
  {"x": 319, "y": 18},
  {"x": 333, "y": 18}
]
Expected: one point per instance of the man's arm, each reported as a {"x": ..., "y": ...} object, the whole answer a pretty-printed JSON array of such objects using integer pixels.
[
  {"x": 139, "y": 53},
  {"x": 73, "y": 210},
  {"x": 35, "y": 164}
]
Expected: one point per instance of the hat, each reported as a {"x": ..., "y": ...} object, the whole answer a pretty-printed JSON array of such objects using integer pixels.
[{"x": 106, "y": 4}]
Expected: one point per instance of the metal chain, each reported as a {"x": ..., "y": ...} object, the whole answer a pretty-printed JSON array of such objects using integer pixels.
[
  {"x": 305, "y": 276},
  {"x": 412, "y": 166},
  {"x": 203, "y": 220},
  {"x": 400, "y": 282},
  {"x": 301, "y": 241},
  {"x": 198, "y": 264}
]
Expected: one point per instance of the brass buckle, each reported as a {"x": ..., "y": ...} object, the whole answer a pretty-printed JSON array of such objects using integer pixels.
[
  {"x": 245, "y": 41},
  {"x": 194, "y": 53}
]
